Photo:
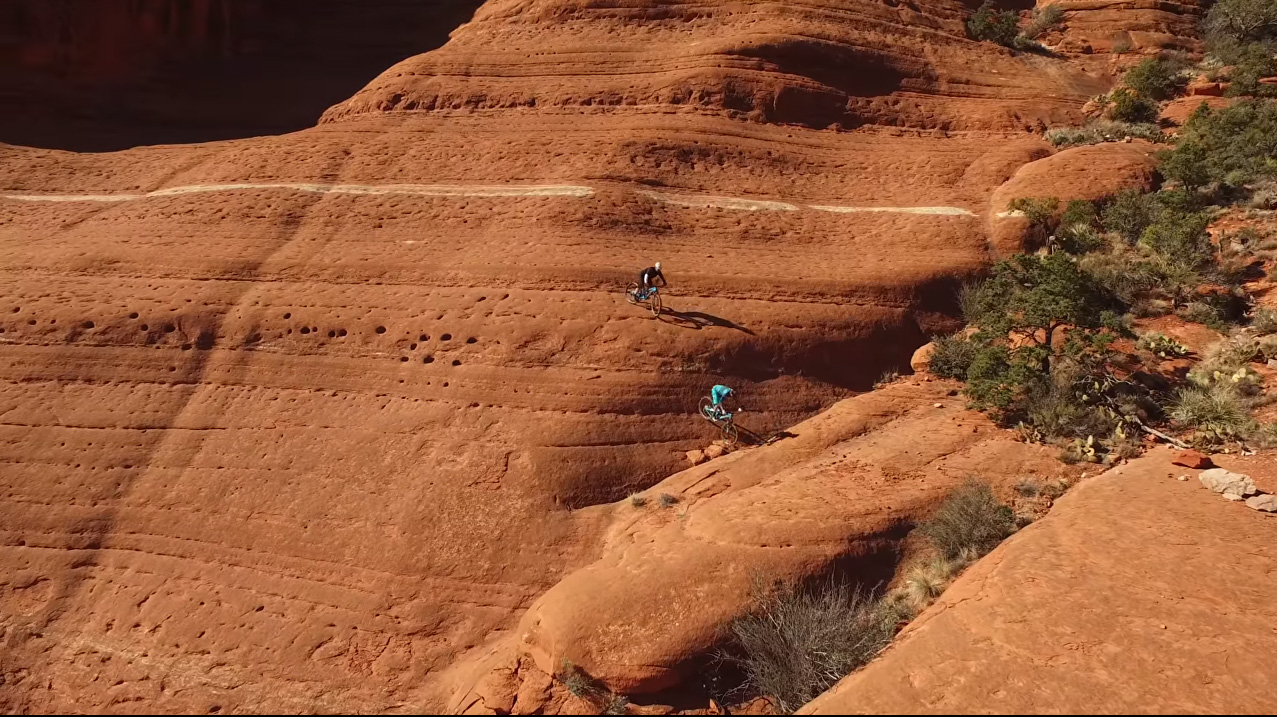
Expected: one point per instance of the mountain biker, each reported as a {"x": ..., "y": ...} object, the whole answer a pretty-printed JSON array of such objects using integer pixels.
[
  {"x": 647, "y": 280},
  {"x": 717, "y": 395}
]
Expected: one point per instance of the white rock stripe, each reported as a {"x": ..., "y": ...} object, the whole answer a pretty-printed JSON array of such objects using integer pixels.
[
  {"x": 420, "y": 190},
  {"x": 705, "y": 202},
  {"x": 689, "y": 201},
  {"x": 755, "y": 205},
  {"x": 949, "y": 211}
]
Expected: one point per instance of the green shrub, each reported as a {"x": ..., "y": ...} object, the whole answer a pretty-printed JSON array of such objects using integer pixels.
[
  {"x": 1081, "y": 239},
  {"x": 1155, "y": 78},
  {"x": 1032, "y": 297},
  {"x": 667, "y": 500},
  {"x": 1224, "y": 362},
  {"x": 1128, "y": 214},
  {"x": 1124, "y": 274},
  {"x": 577, "y": 682},
  {"x": 970, "y": 519},
  {"x": 1200, "y": 312},
  {"x": 1079, "y": 211},
  {"x": 638, "y": 500},
  {"x": 1043, "y": 20},
  {"x": 1130, "y": 107},
  {"x": 1242, "y": 20},
  {"x": 615, "y": 705},
  {"x": 1264, "y": 321},
  {"x": 967, "y": 296},
  {"x": 1252, "y": 63},
  {"x": 1058, "y": 413},
  {"x": 952, "y": 356},
  {"x": 1077, "y": 233},
  {"x": 1103, "y": 131},
  {"x": 989, "y": 24},
  {"x": 1233, "y": 146},
  {"x": 797, "y": 643},
  {"x": 1182, "y": 251},
  {"x": 1217, "y": 413},
  {"x": 886, "y": 378},
  {"x": 1036, "y": 301},
  {"x": 1040, "y": 211}
]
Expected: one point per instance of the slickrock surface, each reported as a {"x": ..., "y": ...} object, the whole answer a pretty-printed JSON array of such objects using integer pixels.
[{"x": 1139, "y": 593}]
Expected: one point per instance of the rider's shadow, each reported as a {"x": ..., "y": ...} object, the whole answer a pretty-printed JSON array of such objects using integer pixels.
[{"x": 699, "y": 320}]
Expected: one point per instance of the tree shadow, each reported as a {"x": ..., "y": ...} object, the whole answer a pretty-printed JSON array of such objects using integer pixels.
[{"x": 699, "y": 320}]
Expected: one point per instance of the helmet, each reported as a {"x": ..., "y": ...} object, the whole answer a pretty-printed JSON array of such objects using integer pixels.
[{"x": 658, "y": 266}]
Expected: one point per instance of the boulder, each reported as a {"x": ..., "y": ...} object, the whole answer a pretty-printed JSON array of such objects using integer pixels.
[
  {"x": 921, "y": 360},
  {"x": 696, "y": 457},
  {"x": 1233, "y": 486},
  {"x": 1204, "y": 88},
  {"x": 1264, "y": 502},
  {"x": 1193, "y": 459},
  {"x": 714, "y": 451}
]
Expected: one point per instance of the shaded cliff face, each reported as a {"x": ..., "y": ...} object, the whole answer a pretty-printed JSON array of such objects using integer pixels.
[{"x": 95, "y": 75}]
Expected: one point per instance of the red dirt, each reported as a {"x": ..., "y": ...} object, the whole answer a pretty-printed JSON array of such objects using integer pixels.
[{"x": 310, "y": 422}]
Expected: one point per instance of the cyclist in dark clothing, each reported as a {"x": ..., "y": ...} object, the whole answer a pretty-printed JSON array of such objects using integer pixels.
[{"x": 647, "y": 280}]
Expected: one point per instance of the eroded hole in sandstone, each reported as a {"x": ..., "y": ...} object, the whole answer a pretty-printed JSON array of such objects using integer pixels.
[
  {"x": 456, "y": 362},
  {"x": 428, "y": 359},
  {"x": 472, "y": 340},
  {"x": 381, "y": 329},
  {"x": 446, "y": 337},
  {"x": 424, "y": 337},
  {"x": 288, "y": 315},
  {"x": 341, "y": 332},
  {"x": 332, "y": 334},
  {"x": 305, "y": 329},
  {"x": 133, "y": 315}
]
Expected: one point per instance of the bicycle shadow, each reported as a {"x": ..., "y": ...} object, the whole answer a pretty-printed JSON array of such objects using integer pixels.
[{"x": 699, "y": 320}]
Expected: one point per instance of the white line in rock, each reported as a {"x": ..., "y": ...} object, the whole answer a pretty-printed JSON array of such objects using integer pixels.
[
  {"x": 948, "y": 211},
  {"x": 420, "y": 190},
  {"x": 689, "y": 201},
  {"x": 702, "y": 202},
  {"x": 755, "y": 205}
]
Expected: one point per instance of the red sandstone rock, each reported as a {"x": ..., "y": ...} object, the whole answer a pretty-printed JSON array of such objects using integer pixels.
[
  {"x": 992, "y": 643},
  {"x": 1203, "y": 88},
  {"x": 1192, "y": 459}
]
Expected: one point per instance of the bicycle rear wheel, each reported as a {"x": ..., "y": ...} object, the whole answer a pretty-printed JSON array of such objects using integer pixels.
[
  {"x": 730, "y": 434},
  {"x": 706, "y": 413},
  {"x": 631, "y": 293}
]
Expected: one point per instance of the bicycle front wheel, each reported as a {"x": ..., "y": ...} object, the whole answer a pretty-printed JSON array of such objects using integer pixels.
[
  {"x": 730, "y": 434},
  {"x": 654, "y": 303}
]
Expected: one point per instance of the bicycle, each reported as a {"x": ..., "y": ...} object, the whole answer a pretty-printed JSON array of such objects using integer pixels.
[
  {"x": 720, "y": 417},
  {"x": 651, "y": 298}
]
